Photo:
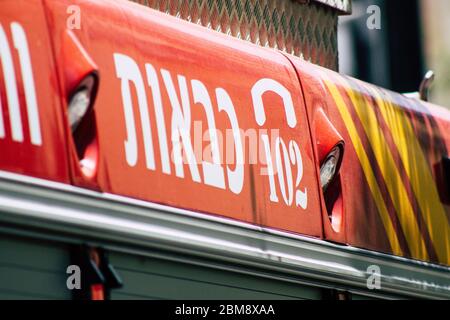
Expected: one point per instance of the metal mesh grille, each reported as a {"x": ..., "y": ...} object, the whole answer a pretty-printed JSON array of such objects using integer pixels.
[{"x": 306, "y": 30}]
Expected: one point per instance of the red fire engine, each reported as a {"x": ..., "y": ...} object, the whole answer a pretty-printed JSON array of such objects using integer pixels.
[{"x": 146, "y": 133}]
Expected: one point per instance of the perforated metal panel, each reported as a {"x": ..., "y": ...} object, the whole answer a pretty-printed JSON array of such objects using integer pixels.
[{"x": 303, "y": 28}]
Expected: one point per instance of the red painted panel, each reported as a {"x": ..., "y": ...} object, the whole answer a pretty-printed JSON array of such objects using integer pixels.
[
  {"x": 31, "y": 130},
  {"x": 165, "y": 82},
  {"x": 394, "y": 194},
  {"x": 157, "y": 74},
  {"x": 319, "y": 104}
]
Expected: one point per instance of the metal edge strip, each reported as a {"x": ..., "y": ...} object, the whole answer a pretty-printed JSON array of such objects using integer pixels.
[{"x": 32, "y": 202}]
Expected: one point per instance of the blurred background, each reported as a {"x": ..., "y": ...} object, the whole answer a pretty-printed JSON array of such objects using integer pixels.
[{"x": 414, "y": 36}]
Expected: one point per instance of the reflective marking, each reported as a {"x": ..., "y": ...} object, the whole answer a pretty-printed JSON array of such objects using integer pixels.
[
  {"x": 366, "y": 166},
  {"x": 390, "y": 173},
  {"x": 421, "y": 179}
]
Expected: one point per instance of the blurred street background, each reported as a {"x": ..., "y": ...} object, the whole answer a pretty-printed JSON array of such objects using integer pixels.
[{"x": 414, "y": 37}]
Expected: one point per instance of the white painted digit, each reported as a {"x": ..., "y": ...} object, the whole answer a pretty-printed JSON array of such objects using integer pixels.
[
  {"x": 11, "y": 89},
  {"x": 2, "y": 124},
  {"x": 284, "y": 158},
  {"x": 213, "y": 174},
  {"x": 236, "y": 176},
  {"x": 270, "y": 171},
  {"x": 128, "y": 71},
  {"x": 301, "y": 197},
  {"x": 181, "y": 126},
  {"x": 20, "y": 43},
  {"x": 152, "y": 79},
  {"x": 269, "y": 85},
  {"x": 281, "y": 153}
]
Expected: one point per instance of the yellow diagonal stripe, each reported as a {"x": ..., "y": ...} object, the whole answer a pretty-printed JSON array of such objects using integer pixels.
[
  {"x": 367, "y": 168},
  {"x": 419, "y": 174},
  {"x": 390, "y": 173}
]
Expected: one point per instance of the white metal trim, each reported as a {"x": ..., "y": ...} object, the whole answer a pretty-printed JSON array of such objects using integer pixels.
[{"x": 31, "y": 202}]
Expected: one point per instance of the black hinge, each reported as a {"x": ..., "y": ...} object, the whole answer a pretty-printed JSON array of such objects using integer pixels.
[{"x": 95, "y": 270}]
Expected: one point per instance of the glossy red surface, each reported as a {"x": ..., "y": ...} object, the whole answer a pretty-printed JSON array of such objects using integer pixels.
[
  {"x": 394, "y": 198},
  {"x": 210, "y": 64},
  {"x": 164, "y": 82},
  {"x": 47, "y": 156}
]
